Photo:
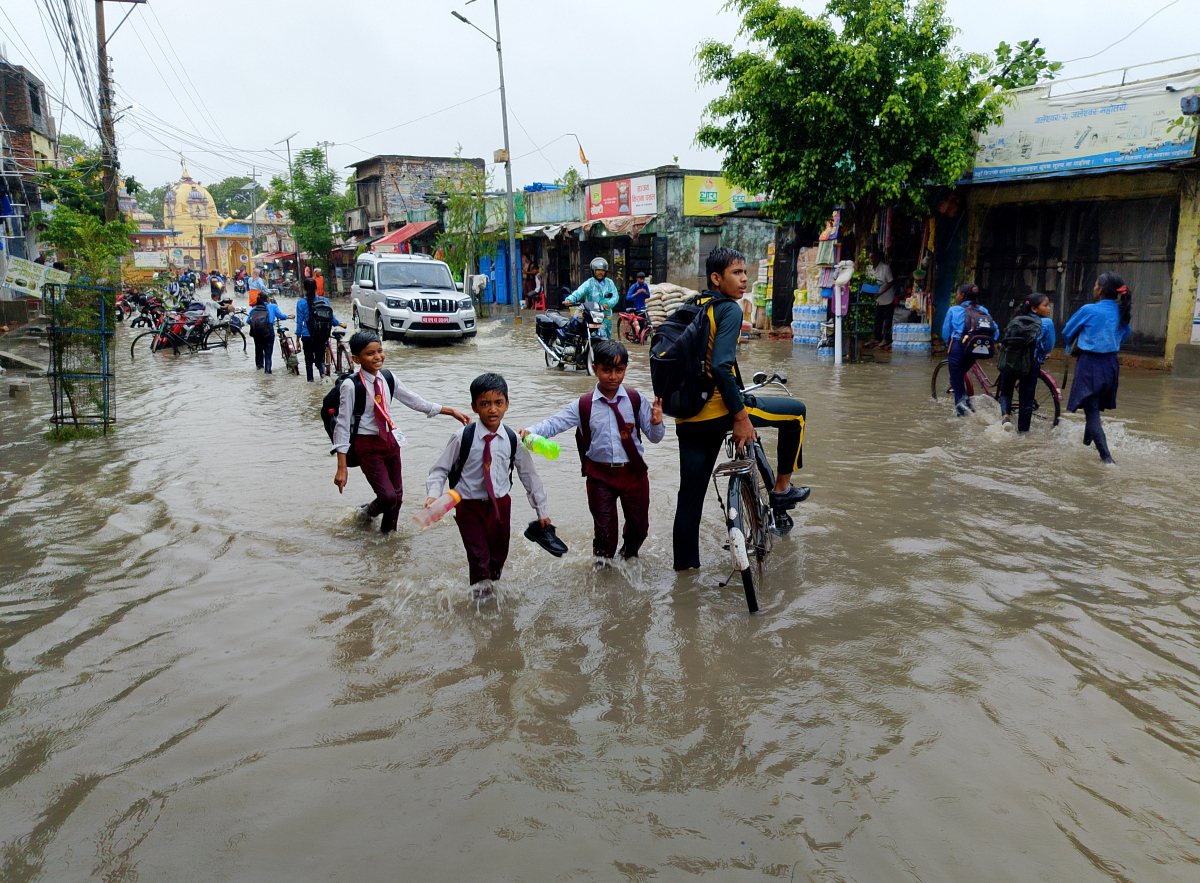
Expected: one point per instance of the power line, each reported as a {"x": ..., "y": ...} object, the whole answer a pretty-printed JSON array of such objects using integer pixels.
[
  {"x": 419, "y": 119},
  {"x": 1123, "y": 39},
  {"x": 170, "y": 45}
]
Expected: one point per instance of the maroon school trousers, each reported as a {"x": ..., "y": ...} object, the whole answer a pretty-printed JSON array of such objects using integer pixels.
[
  {"x": 379, "y": 461},
  {"x": 605, "y": 486},
  {"x": 484, "y": 536}
]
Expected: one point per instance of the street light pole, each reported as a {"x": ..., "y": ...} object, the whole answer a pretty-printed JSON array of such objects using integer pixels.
[
  {"x": 514, "y": 259},
  {"x": 292, "y": 187}
]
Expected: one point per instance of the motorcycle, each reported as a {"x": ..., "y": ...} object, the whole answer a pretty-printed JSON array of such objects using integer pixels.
[
  {"x": 240, "y": 286},
  {"x": 570, "y": 341},
  {"x": 216, "y": 285}
]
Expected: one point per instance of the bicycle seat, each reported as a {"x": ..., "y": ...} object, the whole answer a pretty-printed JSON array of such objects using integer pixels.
[{"x": 337, "y": 334}]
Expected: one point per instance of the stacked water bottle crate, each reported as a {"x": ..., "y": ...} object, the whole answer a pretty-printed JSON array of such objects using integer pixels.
[
  {"x": 806, "y": 323},
  {"x": 911, "y": 337}
]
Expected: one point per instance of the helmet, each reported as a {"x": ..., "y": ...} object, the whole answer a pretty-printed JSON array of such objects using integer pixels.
[{"x": 599, "y": 264}]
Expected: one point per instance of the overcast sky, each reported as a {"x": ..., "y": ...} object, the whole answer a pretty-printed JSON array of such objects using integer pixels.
[{"x": 384, "y": 76}]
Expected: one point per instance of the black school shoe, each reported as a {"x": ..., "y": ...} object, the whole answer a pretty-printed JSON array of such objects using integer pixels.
[
  {"x": 789, "y": 498},
  {"x": 546, "y": 538}
]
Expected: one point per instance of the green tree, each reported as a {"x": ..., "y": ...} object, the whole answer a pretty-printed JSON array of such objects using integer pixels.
[
  {"x": 73, "y": 147},
  {"x": 151, "y": 201},
  {"x": 78, "y": 187},
  {"x": 1025, "y": 64},
  {"x": 228, "y": 196},
  {"x": 90, "y": 248},
  {"x": 316, "y": 205},
  {"x": 865, "y": 105},
  {"x": 462, "y": 207}
]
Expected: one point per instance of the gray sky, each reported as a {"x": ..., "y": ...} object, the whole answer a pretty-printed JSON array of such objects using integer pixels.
[{"x": 238, "y": 75}]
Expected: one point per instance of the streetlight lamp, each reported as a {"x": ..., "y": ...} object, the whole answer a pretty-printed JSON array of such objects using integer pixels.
[
  {"x": 513, "y": 257},
  {"x": 292, "y": 187}
]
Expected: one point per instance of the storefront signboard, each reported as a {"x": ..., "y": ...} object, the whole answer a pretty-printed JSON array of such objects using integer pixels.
[
  {"x": 705, "y": 197},
  {"x": 150, "y": 260},
  {"x": 25, "y": 278},
  {"x": 626, "y": 198},
  {"x": 1045, "y": 134}
]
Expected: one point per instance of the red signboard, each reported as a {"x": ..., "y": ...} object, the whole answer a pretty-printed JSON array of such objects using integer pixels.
[{"x": 622, "y": 199}]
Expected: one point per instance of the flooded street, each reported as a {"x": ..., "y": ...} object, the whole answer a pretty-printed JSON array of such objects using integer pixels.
[{"x": 978, "y": 657}]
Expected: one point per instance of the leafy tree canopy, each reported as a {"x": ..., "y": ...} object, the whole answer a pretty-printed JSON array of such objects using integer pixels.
[
  {"x": 1025, "y": 64},
  {"x": 228, "y": 196},
  {"x": 79, "y": 187},
  {"x": 317, "y": 203},
  {"x": 462, "y": 204},
  {"x": 151, "y": 201},
  {"x": 73, "y": 147},
  {"x": 865, "y": 105},
  {"x": 89, "y": 247}
]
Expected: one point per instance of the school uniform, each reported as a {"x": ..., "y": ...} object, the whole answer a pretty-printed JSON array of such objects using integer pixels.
[
  {"x": 614, "y": 465},
  {"x": 1026, "y": 385},
  {"x": 378, "y": 442},
  {"x": 959, "y": 358},
  {"x": 484, "y": 515},
  {"x": 1099, "y": 331},
  {"x": 264, "y": 347}
]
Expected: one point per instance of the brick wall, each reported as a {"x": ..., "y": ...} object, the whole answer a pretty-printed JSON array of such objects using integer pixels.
[{"x": 400, "y": 184}]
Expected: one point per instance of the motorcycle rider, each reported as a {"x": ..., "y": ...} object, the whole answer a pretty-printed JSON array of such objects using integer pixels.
[{"x": 599, "y": 289}]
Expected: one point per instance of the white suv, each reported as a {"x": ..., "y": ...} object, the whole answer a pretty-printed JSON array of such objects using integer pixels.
[{"x": 405, "y": 296}]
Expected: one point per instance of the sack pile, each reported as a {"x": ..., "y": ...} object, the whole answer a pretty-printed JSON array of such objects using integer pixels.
[{"x": 665, "y": 299}]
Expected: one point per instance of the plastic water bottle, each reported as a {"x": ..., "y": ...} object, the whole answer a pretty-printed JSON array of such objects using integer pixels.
[
  {"x": 548, "y": 448},
  {"x": 437, "y": 510}
]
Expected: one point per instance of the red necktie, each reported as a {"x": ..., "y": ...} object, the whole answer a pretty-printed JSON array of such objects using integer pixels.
[
  {"x": 382, "y": 419},
  {"x": 487, "y": 471},
  {"x": 626, "y": 431}
]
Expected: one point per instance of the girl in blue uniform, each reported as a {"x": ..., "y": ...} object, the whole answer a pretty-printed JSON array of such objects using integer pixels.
[
  {"x": 959, "y": 357},
  {"x": 1100, "y": 328},
  {"x": 1026, "y": 386}
]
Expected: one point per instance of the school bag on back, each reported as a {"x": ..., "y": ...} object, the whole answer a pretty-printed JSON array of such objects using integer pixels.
[
  {"x": 677, "y": 353},
  {"x": 979, "y": 332},
  {"x": 320, "y": 319},
  {"x": 260, "y": 324},
  {"x": 1018, "y": 345},
  {"x": 332, "y": 404}
]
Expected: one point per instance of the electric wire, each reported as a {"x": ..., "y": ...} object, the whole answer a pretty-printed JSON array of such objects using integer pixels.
[
  {"x": 1123, "y": 39},
  {"x": 417, "y": 120},
  {"x": 171, "y": 45}
]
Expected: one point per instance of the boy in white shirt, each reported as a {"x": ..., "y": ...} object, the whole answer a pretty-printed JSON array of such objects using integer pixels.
[
  {"x": 371, "y": 437},
  {"x": 482, "y": 476}
]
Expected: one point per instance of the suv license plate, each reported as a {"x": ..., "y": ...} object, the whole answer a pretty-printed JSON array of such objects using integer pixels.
[{"x": 436, "y": 320}]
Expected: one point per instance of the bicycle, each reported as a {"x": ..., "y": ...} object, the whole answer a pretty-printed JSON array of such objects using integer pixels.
[
  {"x": 1047, "y": 399},
  {"x": 634, "y": 325},
  {"x": 224, "y": 334},
  {"x": 339, "y": 357},
  {"x": 289, "y": 349},
  {"x": 175, "y": 330},
  {"x": 749, "y": 517}
]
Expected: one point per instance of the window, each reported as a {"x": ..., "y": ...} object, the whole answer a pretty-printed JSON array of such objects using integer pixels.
[
  {"x": 35, "y": 100},
  {"x": 414, "y": 274}
]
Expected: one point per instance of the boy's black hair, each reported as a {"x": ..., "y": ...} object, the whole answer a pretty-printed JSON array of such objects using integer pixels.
[
  {"x": 488, "y": 383},
  {"x": 360, "y": 339},
  {"x": 610, "y": 353},
  {"x": 719, "y": 260}
]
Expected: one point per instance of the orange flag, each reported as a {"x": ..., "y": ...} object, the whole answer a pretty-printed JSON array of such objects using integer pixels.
[{"x": 582, "y": 157}]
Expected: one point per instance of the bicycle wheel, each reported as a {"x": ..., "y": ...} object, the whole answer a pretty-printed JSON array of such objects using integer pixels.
[
  {"x": 143, "y": 336},
  {"x": 745, "y": 536},
  {"x": 1047, "y": 404},
  {"x": 940, "y": 383}
]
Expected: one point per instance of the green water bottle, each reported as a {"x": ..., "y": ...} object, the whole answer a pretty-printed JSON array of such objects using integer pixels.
[{"x": 548, "y": 448}]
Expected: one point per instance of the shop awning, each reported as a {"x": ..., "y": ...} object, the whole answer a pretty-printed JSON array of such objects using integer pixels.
[
  {"x": 392, "y": 241},
  {"x": 630, "y": 226}
]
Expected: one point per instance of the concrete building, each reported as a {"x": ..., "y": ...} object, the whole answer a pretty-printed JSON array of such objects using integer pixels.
[
  {"x": 393, "y": 190},
  {"x": 30, "y": 141}
]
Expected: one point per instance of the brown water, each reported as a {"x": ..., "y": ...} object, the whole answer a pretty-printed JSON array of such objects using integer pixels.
[{"x": 978, "y": 658}]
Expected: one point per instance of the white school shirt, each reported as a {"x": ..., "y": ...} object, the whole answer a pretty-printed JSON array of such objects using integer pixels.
[
  {"x": 367, "y": 425},
  {"x": 605, "y": 444},
  {"x": 471, "y": 485}
]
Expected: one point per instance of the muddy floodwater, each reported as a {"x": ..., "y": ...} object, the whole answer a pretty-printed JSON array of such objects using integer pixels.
[{"x": 978, "y": 657}]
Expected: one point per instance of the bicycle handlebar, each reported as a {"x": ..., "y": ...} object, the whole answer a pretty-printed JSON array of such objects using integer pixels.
[{"x": 775, "y": 379}]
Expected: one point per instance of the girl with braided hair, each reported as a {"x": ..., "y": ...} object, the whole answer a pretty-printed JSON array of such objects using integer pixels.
[{"x": 1100, "y": 328}]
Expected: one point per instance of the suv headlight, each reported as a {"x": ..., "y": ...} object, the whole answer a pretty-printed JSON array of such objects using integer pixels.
[
  {"x": 465, "y": 304},
  {"x": 397, "y": 303}
]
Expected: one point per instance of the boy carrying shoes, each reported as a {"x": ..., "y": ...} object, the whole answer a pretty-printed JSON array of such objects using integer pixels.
[
  {"x": 609, "y": 423},
  {"x": 478, "y": 463}
]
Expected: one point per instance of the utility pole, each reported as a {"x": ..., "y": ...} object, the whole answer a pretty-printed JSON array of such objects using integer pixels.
[
  {"x": 253, "y": 211},
  {"x": 108, "y": 135},
  {"x": 292, "y": 186}
]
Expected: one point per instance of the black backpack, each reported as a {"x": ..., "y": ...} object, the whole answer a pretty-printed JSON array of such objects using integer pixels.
[
  {"x": 1018, "y": 345},
  {"x": 332, "y": 403},
  {"x": 320, "y": 319},
  {"x": 979, "y": 332},
  {"x": 259, "y": 320},
  {"x": 464, "y": 451},
  {"x": 678, "y": 353}
]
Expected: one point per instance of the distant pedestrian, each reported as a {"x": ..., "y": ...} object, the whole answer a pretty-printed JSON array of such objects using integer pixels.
[
  {"x": 966, "y": 324},
  {"x": 262, "y": 321},
  {"x": 1100, "y": 329},
  {"x": 319, "y": 278},
  {"x": 315, "y": 322},
  {"x": 1033, "y": 328},
  {"x": 257, "y": 287},
  {"x": 885, "y": 300},
  {"x": 635, "y": 298}
]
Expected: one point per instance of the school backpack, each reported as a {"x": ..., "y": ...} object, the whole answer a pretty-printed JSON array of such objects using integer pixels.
[
  {"x": 332, "y": 403},
  {"x": 678, "y": 352},
  {"x": 583, "y": 434},
  {"x": 979, "y": 332},
  {"x": 259, "y": 320},
  {"x": 320, "y": 319},
  {"x": 1018, "y": 345},
  {"x": 464, "y": 451}
]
